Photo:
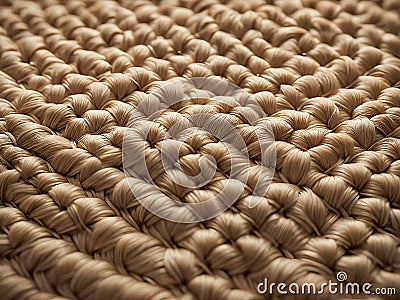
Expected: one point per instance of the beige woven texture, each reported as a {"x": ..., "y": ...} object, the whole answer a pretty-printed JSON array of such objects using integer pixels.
[{"x": 327, "y": 74}]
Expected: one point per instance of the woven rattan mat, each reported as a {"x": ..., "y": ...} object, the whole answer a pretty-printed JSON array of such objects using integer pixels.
[{"x": 325, "y": 76}]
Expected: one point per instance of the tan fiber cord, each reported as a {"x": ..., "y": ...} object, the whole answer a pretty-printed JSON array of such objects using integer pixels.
[{"x": 325, "y": 76}]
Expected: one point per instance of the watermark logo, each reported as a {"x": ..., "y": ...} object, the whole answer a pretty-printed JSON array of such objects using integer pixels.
[
  {"x": 340, "y": 287},
  {"x": 162, "y": 129},
  {"x": 341, "y": 276}
]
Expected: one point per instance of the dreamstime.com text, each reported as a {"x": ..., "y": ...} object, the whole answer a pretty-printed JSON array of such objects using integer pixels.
[{"x": 341, "y": 287}]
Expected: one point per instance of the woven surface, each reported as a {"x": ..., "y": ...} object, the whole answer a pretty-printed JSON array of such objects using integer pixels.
[{"x": 326, "y": 74}]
